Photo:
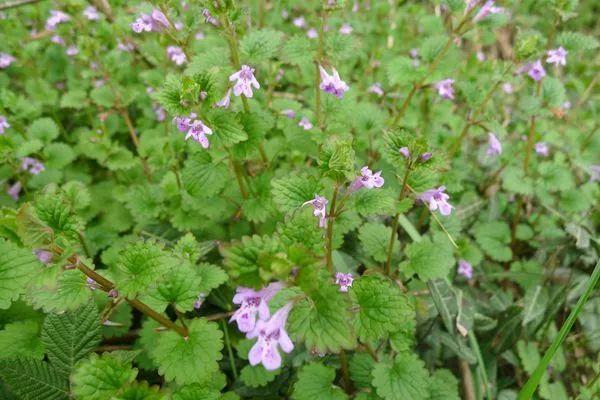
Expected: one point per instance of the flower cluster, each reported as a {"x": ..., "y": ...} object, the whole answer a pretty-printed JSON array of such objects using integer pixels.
[
  {"x": 194, "y": 129},
  {"x": 6, "y": 60},
  {"x": 269, "y": 330},
  {"x": 155, "y": 22},
  {"x": 56, "y": 17},
  {"x": 32, "y": 165},
  {"x": 332, "y": 83},
  {"x": 177, "y": 55},
  {"x": 344, "y": 280},
  {"x": 445, "y": 89},
  {"x": 367, "y": 179}
]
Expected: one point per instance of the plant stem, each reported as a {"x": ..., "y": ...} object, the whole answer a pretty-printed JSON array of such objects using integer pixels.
[
  {"x": 345, "y": 376},
  {"x": 530, "y": 386},
  {"x": 108, "y": 285},
  {"x": 229, "y": 350},
  {"x": 531, "y": 136},
  {"x": 330, "y": 221},
  {"x": 136, "y": 142},
  {"x": 318, "y": 61},
  {"x": 467, "y": 380},
  {"x": 390, "y": 249}
]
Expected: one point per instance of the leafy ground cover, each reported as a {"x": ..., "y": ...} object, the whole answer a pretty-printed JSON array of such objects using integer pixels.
[{"x": 299, "y": 199}]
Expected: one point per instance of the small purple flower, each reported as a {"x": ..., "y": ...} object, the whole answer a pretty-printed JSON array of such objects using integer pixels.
[
  {"x": 376, "y": 89},
  {"x": 113, "y": 293},
  {"x": 487, "y": 9},
  {"x": 198, "y": 132},
  {"x": 176, "y": 55},
  {"x": 299, "y": 22},
  {"x": 225, "y": 101},
  {"x": 57, "y": 39},
  {"x": 159, "y": 112},
  {"x": 127, "y": 47},
  {"x": 368, "y": 180},
  {"x": 557, "y": 56},
  {"x": 426, "y": 156},
  {"x": 536, "y": 71},
  {"x": 566, "y": 105},
  {"x": 355, "y": 6},
  {"x": 14, "y": 190},
  {"x": 31, "y": 165},
  {"x": 445, "y": 89},
  {"x": 252, "y": 303},
  {"x": 414, "y": 53},
  {"x": 44, "y": 256},
  {"x": 91, "y": 13},
  {"x": 465, "y": 269},
  {"x": 289, "y": 113},
  {"x": 346, "y": 29},
  {"x": 208, "y": 18},
  {"x": 199, "y": 301},
  {"x": 405, "y": 152},
  {"x": 244, "y": 81},
  {"x": 271, "y": 335},
  {"x": 3, "y": 124},
  {"x": 332, "y": 83},
  {"x": 156, "y": 22},
  {"x": 91, "y": 284},
  {"x": 494, "y": 145},
  {"x": 437, "y": 199},
  {"x": 542, "y": 149},
  {"x": 594, "y": 171},
  {"x": 184, "y": 123},
  {"x": 56, "y": 17},
  {"x": 344, "y": 280},
  {"x": 319, "y": 204},
  {"x": 305, "y": 123},
  {"x": 178, "y": 25},
  {"x": 72, "y": 51},
  {"x": 199, "y": 35},
  {"x": 507, "y": 88},
  {"x": 480, "y": 55},
  {"x": 6, "y": 60},
  {"x": 279, "y": 75},
  {"x": 312, "y": 33}
]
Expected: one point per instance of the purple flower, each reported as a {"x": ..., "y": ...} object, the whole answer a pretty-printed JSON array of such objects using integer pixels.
[
  {"x": 557, "y": 56},
  {"x": 445, "y": 89},
  {"x": 405, "y": 152},
  {"x": 159, "y": 112},
  {"x": 225, "y": 101},
  {"x": 56, "y": 17},
  {"x": 542, "y": 149},
  {"x": 437, "y": 199},
  {"x": 57, "y": 39},
  {"x": 319, "y": 204},
  {"x": 426, "y": 156},
  {"x": 90, "y": 283},
  {"x": 299, "y": 22},
  {"x": 244, "y": 80},
  {"x": 44, "y": 256},
  {"x": 289, "y": 113},
  {"x": 198, "y": 132},
  {"x": 199, "y": 301},
  {"x": 494, "y": 145},
  {"x": 72, "y": 51},
  {"x": 31, "y": 165},
  {"x": 312, "y": 33},
  {"x": 376, "y": 88},
  {"x": 536, "y": 70},
  {"x": 594, "y": 172},
  {"x": 184, "y": 123},
  {"x": 126, "y": 47},
  {"x": 156, "y": 22},
  {"x": 480, "y": 56},
  {"x": 91, "y": 13},
  {"x": 3, "y": 124},
  {"x": 465, "y": 269},
  {"x": 14, "y": 190},
  {"x": 251, "y": 303},
  {"x": 368, "y": 180},
  {"x": 305, "y": 123},
  {"x": 507, "y": 88},
  {"x": 566, "y": 105},
  {"x": 199, "y": 35},
  {"x": 6, "y": 60},
  {"x": 486, "y": 9},
  {"x": 332, "y": 83},
  {"x": 208, "y": 18},
  {"x": 346, "y": 29},
  {"x": 271, "y": 335},
  {"x": 344, "y": 280},
  {"x": 176, "y": 55}
]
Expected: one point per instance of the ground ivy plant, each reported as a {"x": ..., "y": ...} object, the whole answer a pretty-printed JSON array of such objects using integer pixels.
[{"x": 316, "y": 199}]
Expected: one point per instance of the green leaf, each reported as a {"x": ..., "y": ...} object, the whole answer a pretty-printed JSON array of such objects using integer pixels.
[
  {"x": 374, "y": 202},
  {"x": 494, "y": 238},
  {"x": 575, "y": 41},
  {"x": 443, "y": 386},
  {"x": 315, "y": 381},
  {"x": 139, "y": 266},
  {"x": 374, "y": 238},
  {"x": 201, "y": 177},
  {"x": 323, "y": 319},
  {"x": 297, "y": 50},
  {"x": 337, "y": 161},
  {"x": 401, "y": 71},
  {"x": 140, "y": 391},
  {"x": 227, "y": 127},
  {"x": 179, "y": 287},
  {"x": 257, "y": 376},
  {"x": 17, "y": 266},
  {"x": 74, "y": 99},
  {"x": 33, "y": 380},
  {"x": 401, "y": 379},
  {"x": 535, "y": 303},
  {"x": 189, "y": 360},
  {"x": 360, "y": 367},
  {"x": 382, "y": 308},
  {"x": 103, "y": 96},
  {"x": 256, "y": 257},
  {"x": 260, "y": 45},
  {"x": 69, "y": 337},
  {"x": 101, "y": 377},
  {"x": 29, "y": 147},
  {"x": 44, "y": 129},
  {"x": 428, "y": 260},
  {"x": 553, "y": 91},
  {"x": 290, "y": 192},
  {"x": 58, "y": 215},
  {"x": 211, "y": 277},
  {"x": 196, "y": 392},
  {"x": 431, "y": 46},
  {"x": 58, "y": 155},
  {"x": 21, "y": 339}
]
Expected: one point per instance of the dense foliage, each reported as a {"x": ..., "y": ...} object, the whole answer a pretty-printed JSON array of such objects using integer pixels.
[{"x": 311, "y": 199}]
